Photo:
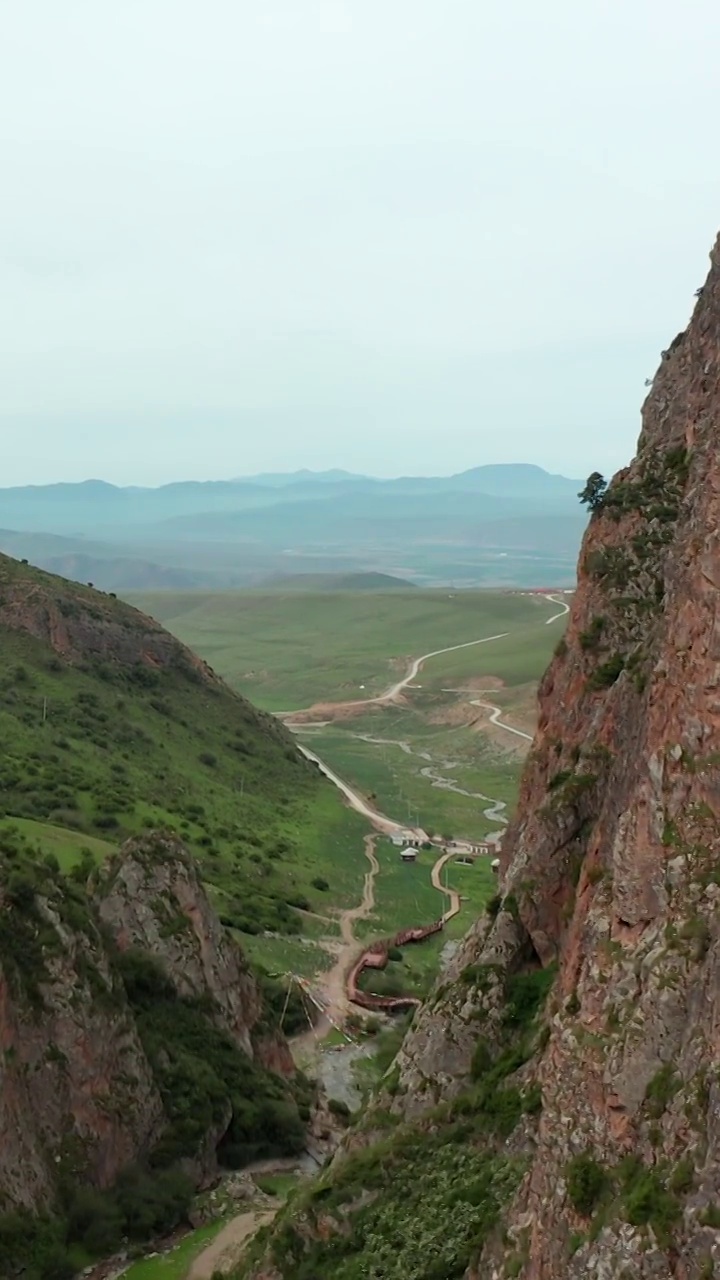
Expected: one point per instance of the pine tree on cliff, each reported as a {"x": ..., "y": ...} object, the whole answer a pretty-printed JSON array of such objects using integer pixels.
[{"x": 593, "y": 495}]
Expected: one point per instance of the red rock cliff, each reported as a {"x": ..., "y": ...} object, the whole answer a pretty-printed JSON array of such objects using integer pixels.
[
  {"x": 611, "y": 882},
  {"x": 612, "y": 866}
]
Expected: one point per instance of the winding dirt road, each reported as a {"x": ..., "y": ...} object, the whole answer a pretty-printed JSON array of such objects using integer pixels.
[
  {"x": 501, "y": 724},
  {"x": 496, "y": 712},
  {"x": 333, "y": 982},
  {"x": 381, "y": 823},
  {"x": 452, "y": 894},
  {"x": 393, "y": 693}
]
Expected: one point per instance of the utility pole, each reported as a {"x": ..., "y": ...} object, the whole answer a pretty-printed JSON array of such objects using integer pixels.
[{"x": 44, "y": 710}]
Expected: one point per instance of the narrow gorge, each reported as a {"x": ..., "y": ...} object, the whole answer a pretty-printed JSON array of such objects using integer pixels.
[{"x": 554, "y": 1111}]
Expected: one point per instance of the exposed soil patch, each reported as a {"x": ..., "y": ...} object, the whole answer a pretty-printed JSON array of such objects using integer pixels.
[{"x": 227, "y": 1247}]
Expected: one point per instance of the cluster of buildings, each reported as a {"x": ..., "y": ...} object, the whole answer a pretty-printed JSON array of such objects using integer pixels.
[{"x": 409, "y": 841}]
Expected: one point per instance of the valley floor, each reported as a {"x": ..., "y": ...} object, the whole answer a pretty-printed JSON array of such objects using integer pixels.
[{"x": 440, "y": 749}]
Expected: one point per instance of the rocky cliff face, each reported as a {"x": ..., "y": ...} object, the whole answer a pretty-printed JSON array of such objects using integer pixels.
[
  {"x": 574, "y": 1045},
  {"x": 82, "y": 1095},
  {"x": 151, "y": 898},
  {"x": 76, "y": 1090},
  {"x": 82, "y": 625}
]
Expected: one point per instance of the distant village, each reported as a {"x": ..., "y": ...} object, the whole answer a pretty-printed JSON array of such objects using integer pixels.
[{"x": 411, "y": 840}]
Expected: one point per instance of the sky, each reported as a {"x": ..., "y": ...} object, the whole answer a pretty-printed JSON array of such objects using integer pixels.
[{"x": 395, "y": 236}]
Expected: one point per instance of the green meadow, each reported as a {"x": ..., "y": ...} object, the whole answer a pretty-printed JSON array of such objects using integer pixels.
[{"x": 285, "y": 650}]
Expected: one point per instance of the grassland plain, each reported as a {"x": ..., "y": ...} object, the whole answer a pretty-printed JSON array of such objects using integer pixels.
[
  {"x": 286, "y": 650},
  {"x": 426, "y": 762},
  {"x": 408, "y": 767}
]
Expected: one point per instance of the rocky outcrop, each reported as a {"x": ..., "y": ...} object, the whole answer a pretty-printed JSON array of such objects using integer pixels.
[
  {"x": 76, "y": 1089},
  {"x": 608, "y": 1114},
  {"x": 151, "y": 899},
  {"x": 80, "y": 1099},
  {"x": 84, "y": 625}
]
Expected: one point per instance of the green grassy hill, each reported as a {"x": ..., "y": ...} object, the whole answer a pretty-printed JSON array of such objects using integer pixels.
[
  {"x": 110, "y": 726},
  {"x": 286, "y": 649},
  {"x": 336, "y": 582}
]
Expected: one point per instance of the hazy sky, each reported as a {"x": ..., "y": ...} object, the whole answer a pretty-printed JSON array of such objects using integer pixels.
[{"x": 388, "y": 235}]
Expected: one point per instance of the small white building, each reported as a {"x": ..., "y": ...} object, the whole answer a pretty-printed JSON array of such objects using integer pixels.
[
  {"x": 409, "y": 855},
  {"x": 405, "y": 839}
]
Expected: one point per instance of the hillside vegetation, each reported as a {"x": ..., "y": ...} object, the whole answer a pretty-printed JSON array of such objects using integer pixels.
[{"x": 111, "y": 726}]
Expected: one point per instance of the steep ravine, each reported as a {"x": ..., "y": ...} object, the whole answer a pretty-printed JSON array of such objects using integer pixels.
[
  {"x": 555, "y": 1109},
  {"x": 138, "y": 1054}
]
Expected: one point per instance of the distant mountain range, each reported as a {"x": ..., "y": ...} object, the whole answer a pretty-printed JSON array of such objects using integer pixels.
[{"x": 500, "y": 525}]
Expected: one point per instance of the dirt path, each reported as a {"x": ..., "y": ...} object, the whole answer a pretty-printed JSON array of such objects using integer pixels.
[
  {"x": 564, "y": 609},
  {"x": 452, "y": 894},
  {"x": 496, "y": 712},
  {"x": 335, "y": 709},
  {"x": 332, "y": 983},
  {"x": 381, "y": 823},
  {"x": 225, "y": 1250}
]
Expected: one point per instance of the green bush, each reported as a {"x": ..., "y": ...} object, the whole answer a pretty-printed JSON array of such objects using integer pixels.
[
  {"x": 481, "y": 1061},
  {"x": 660, "y": 1091},
  {"x": 682, "y": 1178},
  {"x": 205, "y": 1080},
  {"x": 559, "y": 779},
  {"x": 525, "y": 994},
  {"x": 338, "y": 1108},
  {"x": 591, "y": 638},
  {"x": 21, "y": 890},
  {"x": 298, "y": 900},
  {"x": 587, "y": 1182},
  {"x": 607, "y": 673},
  {"x": 33, "y": 1247},
  {"x": 647, "y": 1201},
  {"x": 284, "y": 1004}
]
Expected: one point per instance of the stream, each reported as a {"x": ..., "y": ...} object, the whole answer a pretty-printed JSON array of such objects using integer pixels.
[{"x": 496, "y": 808}]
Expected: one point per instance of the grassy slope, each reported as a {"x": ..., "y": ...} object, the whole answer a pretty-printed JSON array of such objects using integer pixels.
[
  {"x": 67, "y": 846},
  {"x": 124, "y": 747},
  {"x": 286, "y": 650}
]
